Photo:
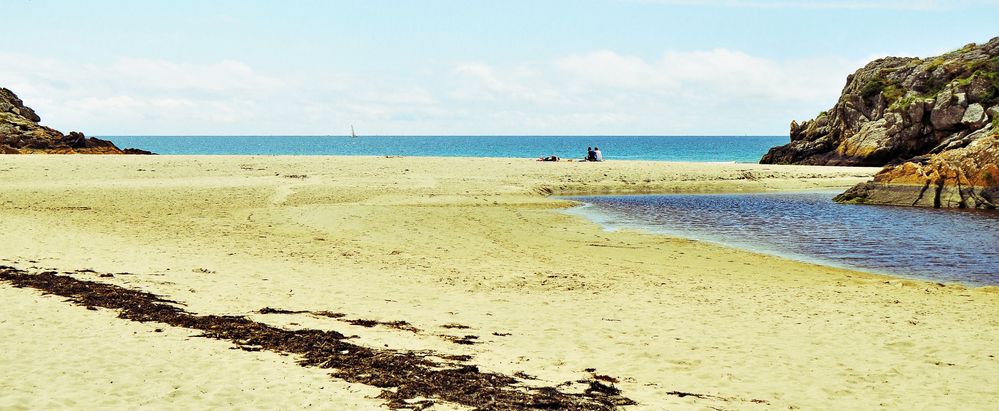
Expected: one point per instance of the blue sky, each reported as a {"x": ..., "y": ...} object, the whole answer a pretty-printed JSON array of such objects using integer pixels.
[{"x": 650, "y": 67}]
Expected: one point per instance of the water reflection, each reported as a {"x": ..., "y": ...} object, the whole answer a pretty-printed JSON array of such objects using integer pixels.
[{"x": 940, "y": 245}]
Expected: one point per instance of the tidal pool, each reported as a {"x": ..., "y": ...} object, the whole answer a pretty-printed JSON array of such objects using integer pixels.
[{"x": 939, "y": 245}]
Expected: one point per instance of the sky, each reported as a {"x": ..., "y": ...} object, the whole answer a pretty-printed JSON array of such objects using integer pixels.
[{"x": 458, "y": 67}]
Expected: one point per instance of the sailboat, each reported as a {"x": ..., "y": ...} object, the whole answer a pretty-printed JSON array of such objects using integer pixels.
[{"x": 352, "y": 133}]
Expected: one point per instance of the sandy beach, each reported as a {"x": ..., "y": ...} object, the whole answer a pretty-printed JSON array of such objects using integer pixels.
[{"x": 460, "y": 249}]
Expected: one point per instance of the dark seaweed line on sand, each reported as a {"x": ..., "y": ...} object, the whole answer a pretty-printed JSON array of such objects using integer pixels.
[
  {"x": 403, "y": 376},
  {"x": 398, "y": 325}
]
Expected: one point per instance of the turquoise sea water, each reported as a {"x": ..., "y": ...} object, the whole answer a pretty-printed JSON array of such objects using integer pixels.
[
  {"x": 671, "y": 148},
  {"x": 938, "y": 245}
]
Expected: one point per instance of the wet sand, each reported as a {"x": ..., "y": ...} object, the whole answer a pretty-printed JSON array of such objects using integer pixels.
[{"x": 460, "y": 250}]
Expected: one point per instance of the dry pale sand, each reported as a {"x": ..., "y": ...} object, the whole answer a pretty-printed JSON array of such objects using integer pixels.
[{"x": 474, "y": 242}]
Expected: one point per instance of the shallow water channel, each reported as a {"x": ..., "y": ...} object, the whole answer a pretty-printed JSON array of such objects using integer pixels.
[{"x": 939, "y": 245}]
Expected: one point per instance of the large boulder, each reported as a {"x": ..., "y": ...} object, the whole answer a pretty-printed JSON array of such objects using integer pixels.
[
  {"x": 20, "y": 133},
  {"x": 964, "y": 177},
  {"x": 948, "y": 110},
  {"x": 974, "y": 116}
]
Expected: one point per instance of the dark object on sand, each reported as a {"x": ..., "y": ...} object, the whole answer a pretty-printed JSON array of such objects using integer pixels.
[{"x": 404, "y": 376}]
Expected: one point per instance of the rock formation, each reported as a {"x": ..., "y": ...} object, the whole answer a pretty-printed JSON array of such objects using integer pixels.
[
  {"x": 933, "y": 121},
  {"x": 20, "y": 133},
  {"x": 966, "y": 177}
]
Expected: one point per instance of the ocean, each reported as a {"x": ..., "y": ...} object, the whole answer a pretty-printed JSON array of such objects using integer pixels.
[
  {"x": 931, "y": 244},
  {"x": 740, "y": 149}
]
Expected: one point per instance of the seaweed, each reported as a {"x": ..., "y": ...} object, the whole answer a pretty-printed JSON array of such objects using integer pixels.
[{"x": 410, "y": 380}]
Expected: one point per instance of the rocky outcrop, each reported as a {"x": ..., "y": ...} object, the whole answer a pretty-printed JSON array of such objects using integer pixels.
[
  {"x": 9, "y": 103},
  {"x": 934, "y": 122},
  {"x": 896, "y": 108},
  {"x": 962, "y": 177},
  {"x": 20, "y": 133}
]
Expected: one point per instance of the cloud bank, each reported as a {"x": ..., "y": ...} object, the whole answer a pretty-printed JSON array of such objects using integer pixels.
[{"x": 715, "y": 91}]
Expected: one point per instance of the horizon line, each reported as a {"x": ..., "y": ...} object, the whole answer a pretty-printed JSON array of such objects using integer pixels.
[{"x": 437, "y": 135}]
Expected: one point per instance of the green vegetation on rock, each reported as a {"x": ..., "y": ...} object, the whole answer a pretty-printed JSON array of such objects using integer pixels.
[{"x": 872, "y": 88}]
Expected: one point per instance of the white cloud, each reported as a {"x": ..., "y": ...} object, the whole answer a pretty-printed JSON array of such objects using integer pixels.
[
  {"x": 131, "y": 94},
  {"x": 150, "y": 96},
  {"x": 714, "y": 91},
  {"x": 480, "y": 81},
  {"x": 700, "y": 92},
  {"x": 222, "y": 77},
  {"x": 719, "y": 74}
]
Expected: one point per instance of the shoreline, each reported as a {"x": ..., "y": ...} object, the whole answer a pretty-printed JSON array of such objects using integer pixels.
[
  {"x": 563, "y": 160},
  {"x": 647, "y": 230},
  {"x": 458, "y": 249},
  {"x": 579, "y": 206}
]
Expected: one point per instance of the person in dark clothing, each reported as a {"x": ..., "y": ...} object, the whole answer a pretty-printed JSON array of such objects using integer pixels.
[{"x": 590, "y": 154}]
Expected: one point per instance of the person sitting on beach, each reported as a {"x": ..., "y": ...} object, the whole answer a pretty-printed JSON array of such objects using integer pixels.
[
  {"x": 597, "y": 155},
  {"x": 590, "y": 154}
]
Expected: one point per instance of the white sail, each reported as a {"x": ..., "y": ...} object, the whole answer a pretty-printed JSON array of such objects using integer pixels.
[{"x": 352, "y": 134}]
